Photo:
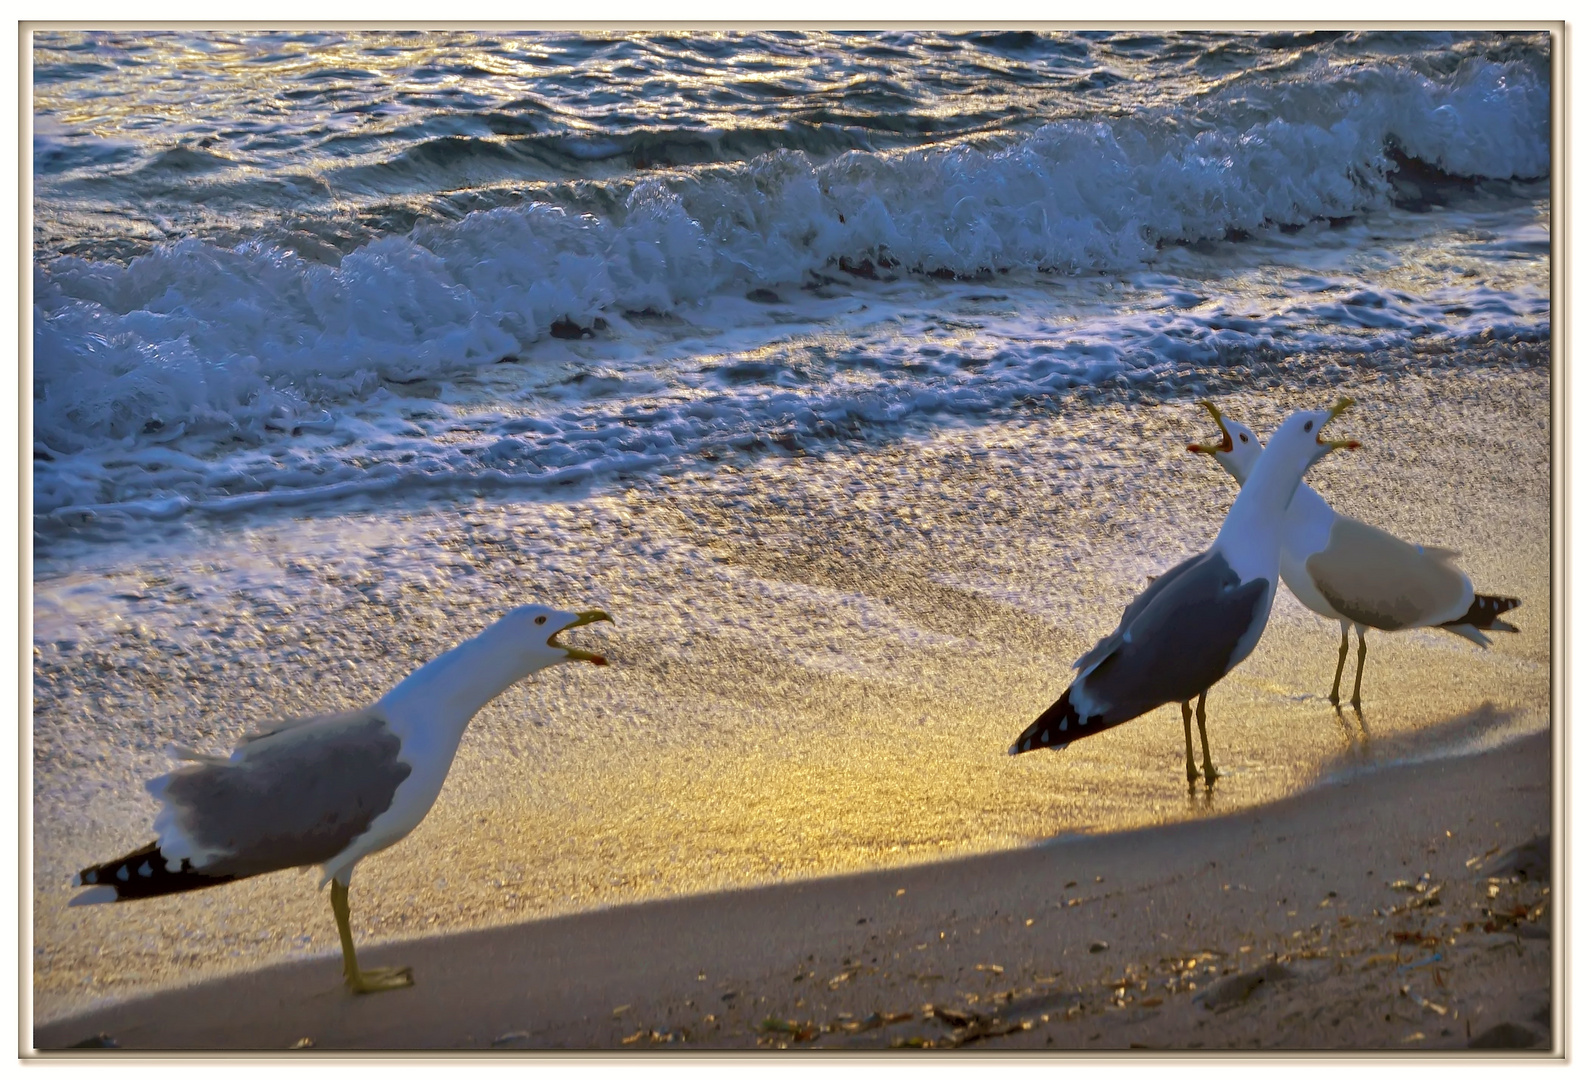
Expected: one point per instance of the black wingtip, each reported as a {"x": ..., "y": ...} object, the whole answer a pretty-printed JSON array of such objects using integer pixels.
[
  {"x": 1022, "y": 746},
  {"x": 1053, "y": 730},
  {"x": 1484, "y": 611},
  {"x": 143, "y": 873}
]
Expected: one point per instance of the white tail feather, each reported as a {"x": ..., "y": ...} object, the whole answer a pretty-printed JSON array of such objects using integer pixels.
[
  {"x": 1471, "y": 633},
  {"x": 99, "y": 894}
]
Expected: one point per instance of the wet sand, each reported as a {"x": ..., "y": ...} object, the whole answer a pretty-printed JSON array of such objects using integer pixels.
[
  {"x": 1406, "y": 908},
  {"x": 817, "y": 667}
]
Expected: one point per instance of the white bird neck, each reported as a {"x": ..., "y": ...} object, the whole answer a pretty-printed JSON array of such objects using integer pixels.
[
  {"x": 445, "y": 694},
  {"x": 1309, "y": 516},
  {"x": 1309, "y": 513},
  {"x": 1251, "y": 536}
]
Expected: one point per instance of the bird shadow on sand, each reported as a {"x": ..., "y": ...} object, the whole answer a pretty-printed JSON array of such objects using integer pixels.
[{"x": 1479, "y": 729}]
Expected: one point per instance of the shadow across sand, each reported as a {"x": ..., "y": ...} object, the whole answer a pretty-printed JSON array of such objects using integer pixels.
[{"x": 1101, "y": 942}]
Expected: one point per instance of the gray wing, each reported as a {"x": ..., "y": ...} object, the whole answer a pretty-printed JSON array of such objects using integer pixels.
[
  {"x": 1377, "y": 580},
  {"x": 294, "y": 795},
  {"x": 1105, "y": 645},
  {"x": 1181, "y": 641}
]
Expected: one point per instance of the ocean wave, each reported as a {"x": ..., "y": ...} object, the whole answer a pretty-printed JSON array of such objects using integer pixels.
[
  {"x": 454, "y": 161},
  {"x": 874, "y": 373},
  {"x": 224, "y": 351}
]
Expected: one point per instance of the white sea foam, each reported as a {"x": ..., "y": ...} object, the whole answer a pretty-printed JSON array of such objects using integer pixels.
[{"x": 202, "y": 376}]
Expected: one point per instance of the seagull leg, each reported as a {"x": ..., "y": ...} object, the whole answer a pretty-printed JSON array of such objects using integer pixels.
[
  {"x": 1342, "y": 655},
  {"x": 1360, "y": 673},
  {"x": 374, "y": 979},
  {"x": 1204, "y": 740},
  {"x": 1187, "y": 741}
]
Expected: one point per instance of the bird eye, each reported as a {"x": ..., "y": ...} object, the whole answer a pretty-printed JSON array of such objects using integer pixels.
[
  {"x": 1309, "y": 425},
  {"x": 540, "y": 619},
  {"x": 1243, "y": 437}
]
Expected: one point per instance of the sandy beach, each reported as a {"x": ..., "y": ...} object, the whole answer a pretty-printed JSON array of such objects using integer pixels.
[
  {"x": 816, "y": 671},
  {"x": 1405, "y": 908}
]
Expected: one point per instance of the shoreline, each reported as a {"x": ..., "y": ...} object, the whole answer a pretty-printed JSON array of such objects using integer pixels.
[
  {"x": 998, "y": 949},
  {"x": 818, "y": 667}
]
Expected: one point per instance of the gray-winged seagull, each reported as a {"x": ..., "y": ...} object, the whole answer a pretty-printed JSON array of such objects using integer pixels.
[
  {"x": 1198, "y": 620},
  {"x": 330, "y": 790},
  {"x": 1359, "y": 575}
]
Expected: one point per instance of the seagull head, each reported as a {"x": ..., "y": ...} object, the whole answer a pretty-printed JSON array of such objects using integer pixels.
[
  {"x": 538, "y": 627},
  {"x": 1302, "y": 437},
  {"x": 1239, "y": 449}
]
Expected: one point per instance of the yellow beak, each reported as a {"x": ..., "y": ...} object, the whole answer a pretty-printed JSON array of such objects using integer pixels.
[
  {"x": 584, "y": 618},
  {"x": 1343, "y": 403},
  {"x": 1224, "y": 446}
]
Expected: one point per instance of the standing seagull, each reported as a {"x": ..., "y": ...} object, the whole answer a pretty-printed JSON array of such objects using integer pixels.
[
  {"x": 331, "y": 789},
  {"x": 1346, "y": 570},
  {"x": 1198, "y": 620}
]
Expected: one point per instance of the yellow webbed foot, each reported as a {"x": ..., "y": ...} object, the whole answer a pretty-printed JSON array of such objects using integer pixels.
[
  {"x": 362, "y": 980},
  {"x": 374, "y": 980}
]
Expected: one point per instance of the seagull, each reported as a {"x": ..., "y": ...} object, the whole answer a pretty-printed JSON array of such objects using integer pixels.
[
  {"x": 331, "y": 789},
  {"x": 1198, "y": 620},
  {"x": 1359, "y": 575}
]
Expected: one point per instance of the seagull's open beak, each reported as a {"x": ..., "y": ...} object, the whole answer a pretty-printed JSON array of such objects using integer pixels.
[
  {"x": 1222, "y": 447},
  {"x": 1337, "y": 444},
  {"x": 584, "y": 618}
]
